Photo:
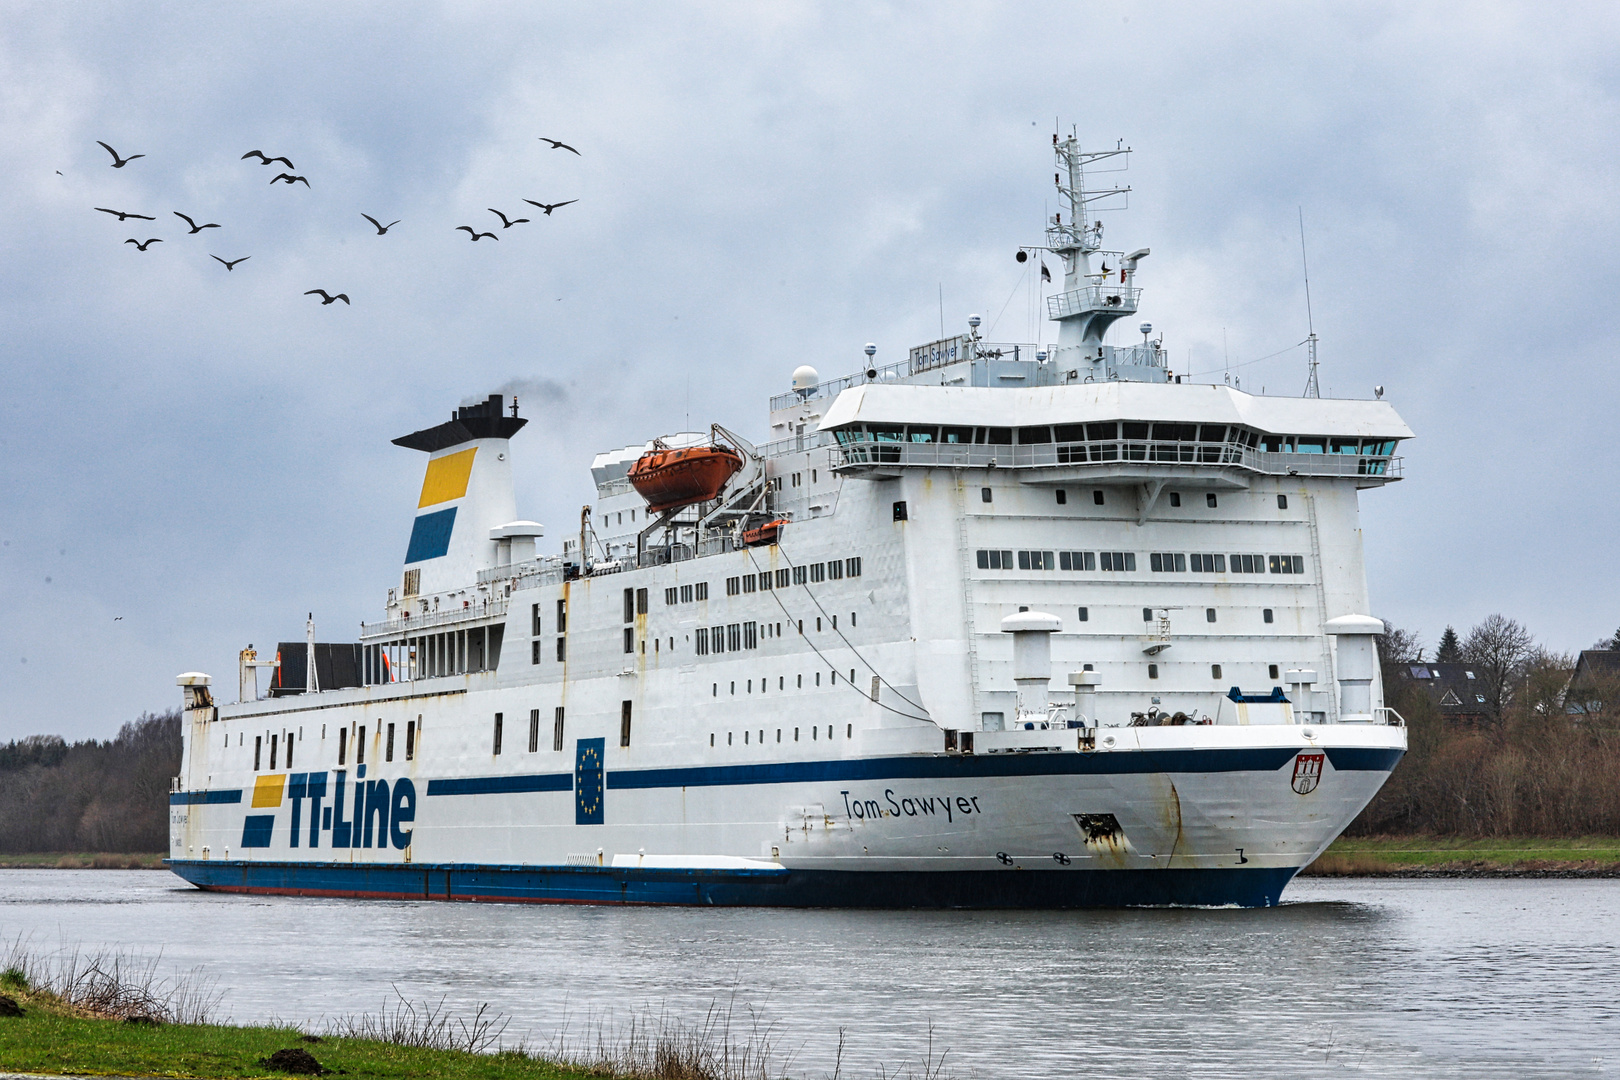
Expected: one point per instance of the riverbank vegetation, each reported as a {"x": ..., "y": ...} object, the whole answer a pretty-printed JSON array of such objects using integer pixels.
[{"x": 1443, "y": 856}]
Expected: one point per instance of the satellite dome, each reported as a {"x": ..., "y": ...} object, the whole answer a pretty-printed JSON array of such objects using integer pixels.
[{"x": 805, "y": 378}]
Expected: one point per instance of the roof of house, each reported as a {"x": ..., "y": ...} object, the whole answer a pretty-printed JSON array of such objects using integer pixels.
[{"x": 1452, "y": 686}]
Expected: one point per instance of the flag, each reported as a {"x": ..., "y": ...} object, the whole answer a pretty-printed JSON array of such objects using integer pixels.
[{"x": 1046, "y": 275}]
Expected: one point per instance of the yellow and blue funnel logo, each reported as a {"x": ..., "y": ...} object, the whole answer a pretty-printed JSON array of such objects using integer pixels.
[{"x": 445, "y": 481}]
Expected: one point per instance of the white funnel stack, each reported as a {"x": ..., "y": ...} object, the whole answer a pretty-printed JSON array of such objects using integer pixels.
[{"x": 1032, "y": 657}]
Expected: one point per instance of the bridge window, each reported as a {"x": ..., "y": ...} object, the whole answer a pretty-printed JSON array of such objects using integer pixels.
[
  {"x": 996, "y": 436},
  {"x": 922, "y": 434},
  {"x": 1102, "y": 432},
  {"x": 1212, "y": 433},
  {"x": 1175, "y": 432},
  {"x": 1272, "y": 444},
  {"x": 1309, "y": 444},
  {"x": 956, "y": 435},
  {"x": 1031, "y": 435},
  {"x": 1069, "y": 433},
  {"x": 1135, "y": 431},
  {"x": 1345, "y": 446}
]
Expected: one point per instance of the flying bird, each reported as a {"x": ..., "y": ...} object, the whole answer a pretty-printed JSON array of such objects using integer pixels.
[
  {"x": 267, "y": 160},
  {"x": 140, "y": 246},
  {"x": 549, "y": 207},
  {"x": 118, "y": 162},
  {"x": 231, "y": 265},
  {"x": 291, "y": 179},
  {"x": 555, "y": 145},
  {"x": 122, "y": 214},
  {"x": 381, "y": 228},
  {"x": 475, "y": 234},
  {"x": 327, "y": 298},
  {"x": 507, "y": 223},
  {"x": 195, "y": 228},
  {"x": 118, "y": 618}
]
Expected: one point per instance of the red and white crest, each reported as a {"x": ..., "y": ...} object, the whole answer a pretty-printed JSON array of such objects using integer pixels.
[{"x": 1307, "y": 772}]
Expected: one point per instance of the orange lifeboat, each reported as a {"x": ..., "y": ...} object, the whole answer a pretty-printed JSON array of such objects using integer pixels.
[
  {"x": 668, "y": 479},
  {"x": 765, "y": 534}
]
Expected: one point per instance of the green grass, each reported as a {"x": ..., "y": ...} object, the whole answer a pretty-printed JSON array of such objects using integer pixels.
[
  {"x": 1372, "y": 855},
  {"x": 83, "y": 860},
  {"x": 47, "y": 1039}
]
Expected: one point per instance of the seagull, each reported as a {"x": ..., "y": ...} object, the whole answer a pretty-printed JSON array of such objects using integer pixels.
[
  {"x": 118, "y": 162},
  {"x": 290, "y": 179},
  {"x": 327, "y": 298},
  {"x": 122, "y": 214},
  {"x": 555, "y": 145},
  {"x": 140, "y": 246},
  {"x": 381, "y": 228},
  {"x": 233, "y": 262},
  {"x": 195, "y": 228},
  {"x": 118, "y": 618},
  {"x": 476, "y": 235},
  {"x": 549, "y": 207},
  {"x": 505, "y": 222},
  {"x": 267, "y": 160}
]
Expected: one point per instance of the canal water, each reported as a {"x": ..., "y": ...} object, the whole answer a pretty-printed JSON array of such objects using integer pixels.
[{"x": 1513, "y": 978}]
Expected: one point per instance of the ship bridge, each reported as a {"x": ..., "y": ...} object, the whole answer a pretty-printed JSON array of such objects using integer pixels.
[{"x": 1117, "y": 433}]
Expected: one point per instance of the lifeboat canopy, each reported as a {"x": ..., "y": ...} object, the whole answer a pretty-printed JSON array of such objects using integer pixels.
[{"x": 670, "y": 478}]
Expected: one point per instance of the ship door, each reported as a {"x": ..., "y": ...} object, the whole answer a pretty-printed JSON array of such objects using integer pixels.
[{"x": 588, "y": 785}]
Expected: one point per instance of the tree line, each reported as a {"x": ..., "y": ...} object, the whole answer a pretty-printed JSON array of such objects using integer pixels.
[
  {"x": 1544, "y": 762},
  {"x": 108, "y": 796}
]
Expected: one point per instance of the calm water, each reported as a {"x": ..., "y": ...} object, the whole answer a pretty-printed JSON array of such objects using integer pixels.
[{"x": 1364, "y": 978}]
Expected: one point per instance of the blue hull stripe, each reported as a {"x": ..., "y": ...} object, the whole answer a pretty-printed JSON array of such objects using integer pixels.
[
  {"x": 193, "y": 798},
  {"x": 502, "y": 785},
  {"x": 1009, "y": 888},
  {"x": 928, "y": 767}
]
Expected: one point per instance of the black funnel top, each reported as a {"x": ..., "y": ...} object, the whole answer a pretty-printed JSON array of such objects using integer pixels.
[{"x": 486, "y": 420}]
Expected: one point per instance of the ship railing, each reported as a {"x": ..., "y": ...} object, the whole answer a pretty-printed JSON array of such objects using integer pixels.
[
  {"x": 1092, "y": 298},
  {"x": 541, "y": 567},
  {"x": 869, "y": 453},
  {"x": 483, "y": 609},
  {"x": 833, "y": 387},
  {"x": 617, "y": 486},
  {"x": 796, "y": 444},
  {"x": 1390, "y": 716},
  {"x": 663, "y": 556}
]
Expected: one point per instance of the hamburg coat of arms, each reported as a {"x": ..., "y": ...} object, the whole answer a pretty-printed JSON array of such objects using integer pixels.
[{"x": 1307, "y": 772}]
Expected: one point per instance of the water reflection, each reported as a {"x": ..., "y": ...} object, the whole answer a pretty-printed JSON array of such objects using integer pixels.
[{"x": 1470, "y": 979}]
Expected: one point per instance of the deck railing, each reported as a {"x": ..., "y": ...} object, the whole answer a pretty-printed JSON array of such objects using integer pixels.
[{"x": 486, "y": 609}]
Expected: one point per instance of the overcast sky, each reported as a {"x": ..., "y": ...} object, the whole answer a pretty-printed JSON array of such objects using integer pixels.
[{"x": 194, "y": 458}]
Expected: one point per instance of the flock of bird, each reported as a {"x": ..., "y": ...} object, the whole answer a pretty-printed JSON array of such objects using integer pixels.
[{"x": 290, "y": 179}]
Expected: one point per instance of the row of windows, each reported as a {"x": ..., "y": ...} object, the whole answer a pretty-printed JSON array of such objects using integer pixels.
[
  {"x": 734, "y": 637},
  {"x": 1111, "y": 561},
  {"x": 278, "y": 742},
  {"x": 781, "y": 683},
  {"x": 1129, "y": 431},
  {"x": 557, "y": 725},
  {"x": 815, "y": 734},
  {"x": 686, "y": 594},
  {"x": 765, "y": 580}
]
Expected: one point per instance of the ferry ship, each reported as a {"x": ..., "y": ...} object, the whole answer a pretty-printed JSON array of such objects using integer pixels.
[{"x": 998, "y": 625}]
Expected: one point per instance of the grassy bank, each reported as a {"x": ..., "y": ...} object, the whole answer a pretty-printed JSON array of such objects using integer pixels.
[
  {"x": 1438, "y": 856},
  {"x": 84, "y": 860},
  {"x": 47, "y": 1038}
]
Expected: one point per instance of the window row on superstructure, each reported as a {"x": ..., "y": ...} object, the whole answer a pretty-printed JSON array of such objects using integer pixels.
[
  {"x": 275, "y": 750},
  {"x": 787, "y": 577},
  {"x": 1159, "y": 562}
]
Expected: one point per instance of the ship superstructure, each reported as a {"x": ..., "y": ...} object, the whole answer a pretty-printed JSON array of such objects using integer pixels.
[{"x": 1000, "y": 624}]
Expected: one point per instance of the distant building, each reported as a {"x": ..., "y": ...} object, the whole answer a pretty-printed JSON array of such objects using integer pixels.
[
  {"x": 1596, "y": 678},
  {"x": 1455, "y": 689}
]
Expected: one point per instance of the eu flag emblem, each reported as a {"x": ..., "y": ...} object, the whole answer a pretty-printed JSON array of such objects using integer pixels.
[{"x": 588, "y": 782}]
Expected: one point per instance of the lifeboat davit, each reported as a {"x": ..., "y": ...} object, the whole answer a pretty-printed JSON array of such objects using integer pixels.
[{"x": 669, "y": 479}]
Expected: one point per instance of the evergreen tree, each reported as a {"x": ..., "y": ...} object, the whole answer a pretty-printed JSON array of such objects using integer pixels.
[{"x": 1450, "y": 649}]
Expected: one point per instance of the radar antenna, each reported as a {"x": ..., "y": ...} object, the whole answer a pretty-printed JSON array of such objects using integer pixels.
[{"x": 1312, "y": 389}]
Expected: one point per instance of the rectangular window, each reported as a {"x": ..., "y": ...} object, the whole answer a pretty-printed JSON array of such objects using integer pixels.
[
  {"x": 562, "y": 617},
  {"x": 1062, "y": 497},
  {"x": 410, "y": 740},
  {"x": 1147, "y": 614},
  {"x": 766, "y": 578},
  {"x": 800, "y": 575},
  {"x": 1209, "y": 614},
  {"x": 1271, "y": 672},
  {"x": 1084, "y": 615},
  {"x": 672, "y": 595},
  {"x": 258, "y": 748},
  {"x": 1248, "y": 564},
  {"x": 1118, "y": 561},
  {"x": 629, "y": 605},
  {"x": 985, "y": 495},
  {"x": 1210, "y": 500},
  {"x": 534, "y": 651},
  {"x": 534, "y": 620},
  {"x": 749, "y": 583},
  {"x": 273, "y": 741},
  {"x": 1037, "y": 560},
  {"x": 700, "y": 639},
  {"x": 343, "y": 747},
  {"x": 1175, "y": 498},
  {"x": 1215, "y": 671},
  {"x": 557, "y": 730},
  {"x": 1153, "y": 671},
  {"x": 360, "y": 747},
  {"x": 835, "y": 570},
  {"x": 562, "y": 649},
  {"x": 818, "y": 572},
  {"x": 750, "y": 635},
  {"x": 686, "y": 594},
  {"x": 624, "y": 723},
  {"x": 734, "y": 637},
  {"x": 717, "y": 638},
  {"x": 782, "y": 580},
  {"x": 388, "y": 753},
  {"x": 852, "y": 566},
  {"x": 498, "y": 722},
  {"x": 629, "y": 639},
  {"x": 733, "y": 586},
  {"x": 1097, "y": 497},
  {"x": 534, "y": 731},
  {"x": 1282, "y": 502},
  {"x": 702, "y": 588},
  {"x": 1267, "y": 617}
]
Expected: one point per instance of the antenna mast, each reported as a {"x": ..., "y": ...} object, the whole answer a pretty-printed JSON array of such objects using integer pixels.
[{"x": 1312, "y": 389}]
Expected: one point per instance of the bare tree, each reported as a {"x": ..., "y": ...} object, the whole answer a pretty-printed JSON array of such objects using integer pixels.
[
  {"x": 1497, "y": 650},
  {"x": 1399, "y": 646}
]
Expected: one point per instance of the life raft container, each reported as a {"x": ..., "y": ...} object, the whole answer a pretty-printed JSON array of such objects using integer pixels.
[{"x": 765, "y": 534}]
